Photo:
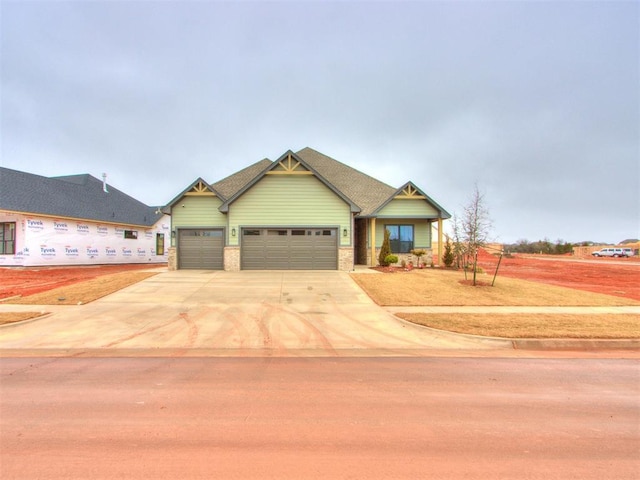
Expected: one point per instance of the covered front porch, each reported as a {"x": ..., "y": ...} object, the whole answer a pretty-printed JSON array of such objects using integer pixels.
[{"x": 406, "y": 234}]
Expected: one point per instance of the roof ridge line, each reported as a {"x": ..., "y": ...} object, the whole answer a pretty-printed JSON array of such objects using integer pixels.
[{"x": 347, "y": 166}]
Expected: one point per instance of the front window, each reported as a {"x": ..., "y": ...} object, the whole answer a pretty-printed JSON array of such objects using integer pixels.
[
  {"x": 400, "y": 238},
  {"x": 8, "y": 238}
]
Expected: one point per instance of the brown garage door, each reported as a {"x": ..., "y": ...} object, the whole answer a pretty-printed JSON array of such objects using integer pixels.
[
  {"x": 200, "y": 249},
  {"x": 289, "y": 249}
]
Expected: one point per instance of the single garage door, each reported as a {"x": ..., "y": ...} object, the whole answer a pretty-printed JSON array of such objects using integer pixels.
[
  {"x": 200, "y": 249},
  {"x": 289, "y": 249}
]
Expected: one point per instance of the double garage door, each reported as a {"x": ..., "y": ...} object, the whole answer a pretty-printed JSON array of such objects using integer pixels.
[
  {"x": 200, "y": 249},
  {"x": 261, "y": 249},
  {"x": 289, "y": 249}
]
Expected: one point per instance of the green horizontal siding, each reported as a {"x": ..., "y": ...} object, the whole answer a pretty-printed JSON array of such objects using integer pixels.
[
  {"x": 408, "y": 208},
  {"x": 421, "y": 230},
  {"x": 197, "y": 212},
  {"x": 290, "y": 200}
]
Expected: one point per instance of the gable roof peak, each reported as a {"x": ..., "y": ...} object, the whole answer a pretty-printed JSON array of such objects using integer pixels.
[
  {"x": 409, "y": 191},
  {"x": 291, "y": 163},
  {"x": 198, "y": 187}
]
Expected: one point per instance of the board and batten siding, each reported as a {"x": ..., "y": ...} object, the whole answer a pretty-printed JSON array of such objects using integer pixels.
[
  {"x": 421, "y": 230},
  {"x": 289, "y": 200},
  {"x": 408, "y": 208},
  {"x": 197, "y": 212}
]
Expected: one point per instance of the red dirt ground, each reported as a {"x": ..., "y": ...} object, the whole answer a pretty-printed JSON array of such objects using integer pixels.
[
  {"x": 619, "y": 276},
  {"x": 27, "y": 281}
]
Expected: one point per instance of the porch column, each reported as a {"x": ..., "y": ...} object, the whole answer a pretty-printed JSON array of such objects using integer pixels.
[
  {"x": 372, "y": 225},
  {"x": 439, "y": 241}
]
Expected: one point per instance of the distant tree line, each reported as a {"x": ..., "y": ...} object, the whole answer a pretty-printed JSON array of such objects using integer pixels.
[
  {"x": 548, "y": 247},
  {"x": 559, "y": 247}
]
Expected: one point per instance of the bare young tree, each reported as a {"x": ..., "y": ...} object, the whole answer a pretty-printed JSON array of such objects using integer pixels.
[{"x": 476, "y": 225}]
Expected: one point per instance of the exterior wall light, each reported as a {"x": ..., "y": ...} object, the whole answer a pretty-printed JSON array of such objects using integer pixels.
[
  {"x": 345, "y": 233},
  {"x": 233, "y": 232}
]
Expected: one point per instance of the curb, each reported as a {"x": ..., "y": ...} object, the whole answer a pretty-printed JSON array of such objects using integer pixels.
[{"x": 574, "y": 344}]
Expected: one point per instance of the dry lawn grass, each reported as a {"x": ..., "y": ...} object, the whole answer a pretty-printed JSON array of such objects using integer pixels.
[
  {"x": 13, "y": 317},
  {"x": 614, "y": 326},
  {"x": 443, "y": 287},
  {"x": 84, "y": 292}
]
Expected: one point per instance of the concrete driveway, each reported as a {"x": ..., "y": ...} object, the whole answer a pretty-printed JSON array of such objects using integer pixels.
[{"x": 232, "y": 313}]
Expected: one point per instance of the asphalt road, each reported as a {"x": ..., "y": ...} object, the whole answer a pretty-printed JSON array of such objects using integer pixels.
[{"x": 307, "y": 418}]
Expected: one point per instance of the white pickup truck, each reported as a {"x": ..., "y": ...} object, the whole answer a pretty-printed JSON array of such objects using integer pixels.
[{"x": 613, "y": 252}]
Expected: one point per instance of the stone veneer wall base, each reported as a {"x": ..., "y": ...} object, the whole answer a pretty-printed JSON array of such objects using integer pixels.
[
  {"x": 232, "y": 259},
  {"x": 345, "y": 259},
  {"x": 172, "y": 261}
]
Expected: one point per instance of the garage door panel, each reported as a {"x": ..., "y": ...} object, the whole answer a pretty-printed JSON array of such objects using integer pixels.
[
  {"x": 324, "y": 259},
  {"x": 252, "y": 253},
  {"x": 289, "y": 249},
  {"x": 201, "y": 249}
]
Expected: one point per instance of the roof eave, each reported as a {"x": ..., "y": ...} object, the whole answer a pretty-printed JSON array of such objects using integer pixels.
[{"x": 81, "y": 219}]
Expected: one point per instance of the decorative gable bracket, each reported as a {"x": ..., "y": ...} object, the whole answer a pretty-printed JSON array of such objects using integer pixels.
[
  {"x": 289, "y": 166},
  {"x": 410, "y": 192},
  {"x": 199, "y": 189}
]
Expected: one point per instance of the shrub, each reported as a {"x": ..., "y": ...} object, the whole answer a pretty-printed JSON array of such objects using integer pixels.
[
  {"x": 418, "y": 252},
  {"x": 389, "y": 259},
  {"x": 385, "y": 250},
  {"x": 448, "y": 257}
]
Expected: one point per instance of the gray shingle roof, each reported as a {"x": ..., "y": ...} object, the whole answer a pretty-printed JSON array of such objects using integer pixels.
[
  {"x": 76, "y": 196},
  {"x": 363, "y": 190},
  {"x": 233, "y": 183}
]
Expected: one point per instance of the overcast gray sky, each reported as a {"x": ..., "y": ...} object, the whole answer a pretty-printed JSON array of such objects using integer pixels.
[{"x": 536, "y": 102}]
